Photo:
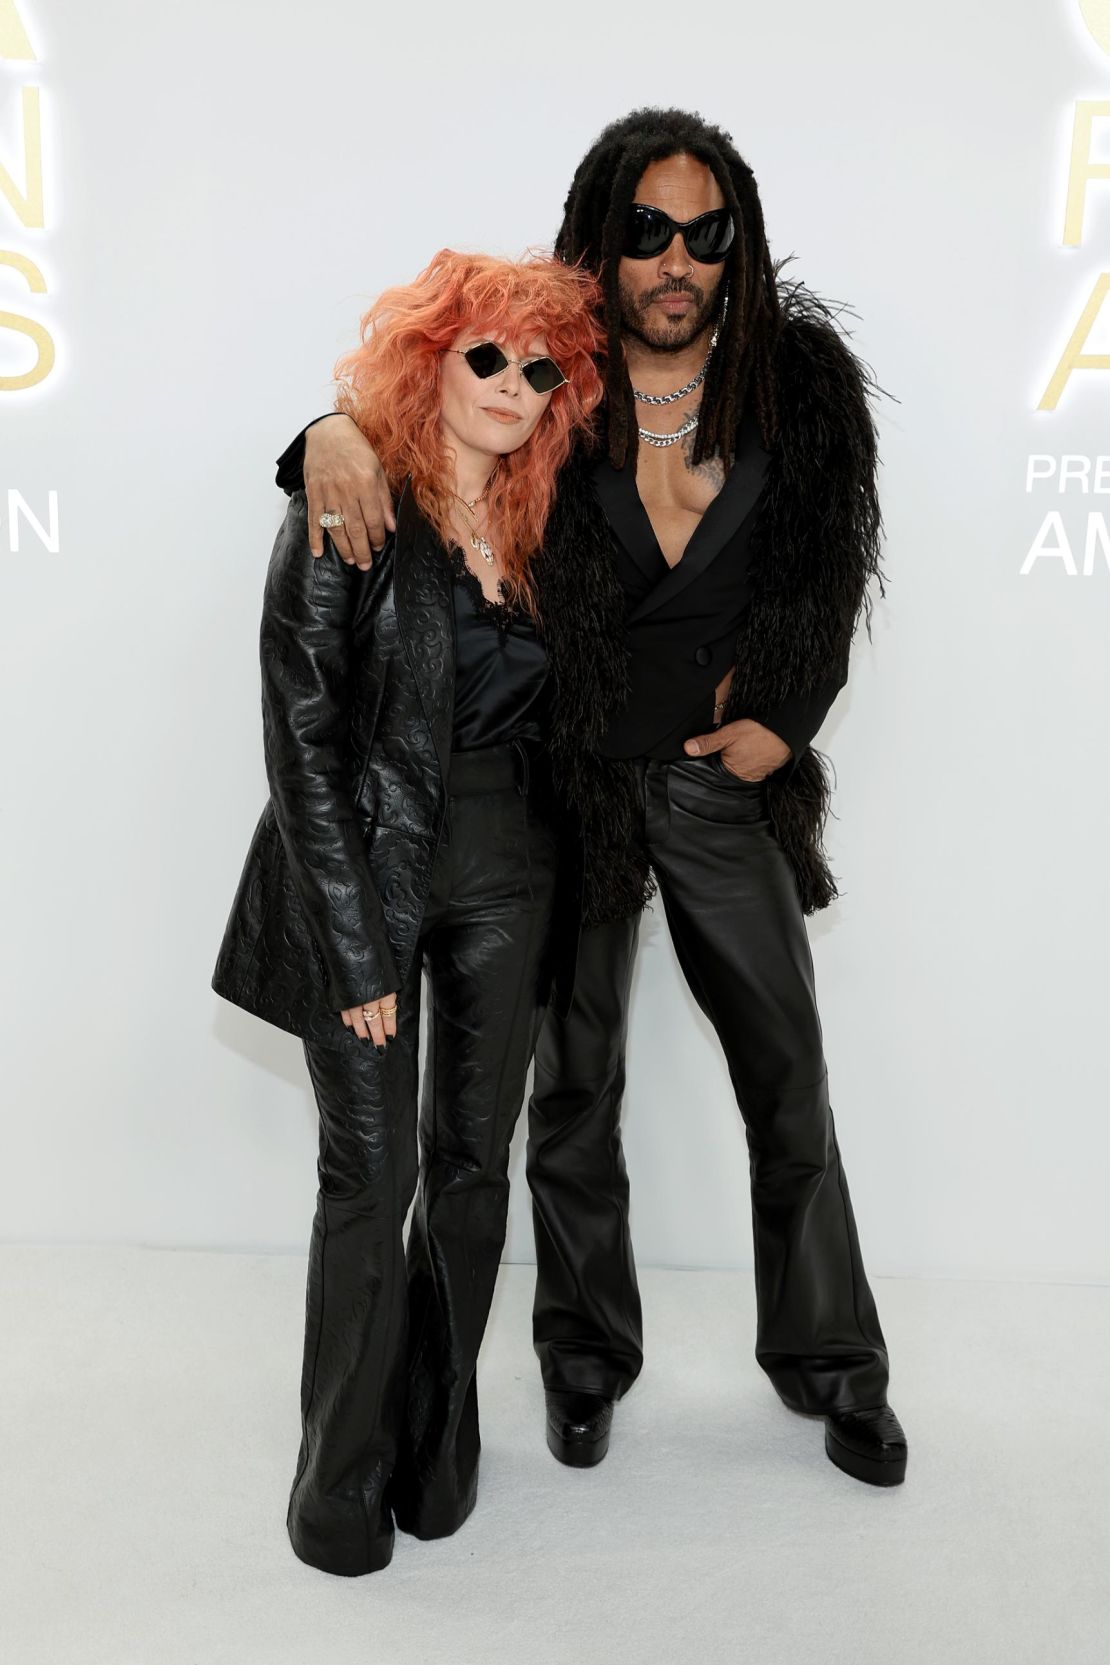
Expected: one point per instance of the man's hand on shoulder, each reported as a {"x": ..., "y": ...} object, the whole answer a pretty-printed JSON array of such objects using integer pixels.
[
  {"x": 747, "y": 748},
  {"x": 342, "y": 475}
]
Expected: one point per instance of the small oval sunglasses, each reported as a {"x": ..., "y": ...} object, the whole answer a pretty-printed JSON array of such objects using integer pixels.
[
  {"x": 486, "y": 359},
  {"x": 649, "y": 231}
]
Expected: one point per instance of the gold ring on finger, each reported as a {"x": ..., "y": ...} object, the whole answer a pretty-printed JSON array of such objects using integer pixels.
[{"x": 371, "y": 1012}]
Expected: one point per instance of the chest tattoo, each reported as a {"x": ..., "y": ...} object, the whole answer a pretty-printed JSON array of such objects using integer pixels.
[{"x": 711, "y": 469}]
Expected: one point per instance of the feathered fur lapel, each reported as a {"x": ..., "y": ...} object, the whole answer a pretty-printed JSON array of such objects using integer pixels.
[
  {"x": 814, "y": 551},
  {"x": 581, "y": 618},
  {"x": 815, "y": 542}
]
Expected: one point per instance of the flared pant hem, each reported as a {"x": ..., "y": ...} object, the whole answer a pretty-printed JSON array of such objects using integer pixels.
[
  {"x": 429, "y": 1524},
  {"x": 343, "y": 1558}
]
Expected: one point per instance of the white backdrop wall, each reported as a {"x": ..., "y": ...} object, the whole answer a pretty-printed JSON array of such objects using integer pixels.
[{"x": 224, "y": 189}]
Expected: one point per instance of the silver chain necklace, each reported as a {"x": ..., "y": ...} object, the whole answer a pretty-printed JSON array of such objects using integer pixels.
[
  {"x": 672, "y": 398},
  {"x": 663, "y": 440}
]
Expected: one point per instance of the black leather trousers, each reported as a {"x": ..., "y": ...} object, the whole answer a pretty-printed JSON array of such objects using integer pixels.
[
  {"x": 388, "y": 1396},
  {"x": 733, "y": 913}
]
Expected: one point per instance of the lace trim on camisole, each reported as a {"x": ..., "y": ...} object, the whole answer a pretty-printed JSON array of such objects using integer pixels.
[{"x": 501, "y": 614}]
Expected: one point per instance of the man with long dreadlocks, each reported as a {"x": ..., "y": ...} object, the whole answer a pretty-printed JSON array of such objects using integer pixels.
[{"x": 720, "y": 544}]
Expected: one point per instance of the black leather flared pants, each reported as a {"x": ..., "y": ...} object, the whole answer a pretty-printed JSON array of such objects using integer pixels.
[
  {"x": 388, "y": 1395},
  {"x": 732, "y": 909}
]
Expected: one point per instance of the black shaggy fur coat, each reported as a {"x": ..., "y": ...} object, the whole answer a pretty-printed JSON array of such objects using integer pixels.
[{"x": 814, "y": 551}]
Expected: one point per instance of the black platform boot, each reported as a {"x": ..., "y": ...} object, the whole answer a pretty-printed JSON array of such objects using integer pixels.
[
  {"x": 578, "y": 1427},
  {"x": 869, "y": 1445}
]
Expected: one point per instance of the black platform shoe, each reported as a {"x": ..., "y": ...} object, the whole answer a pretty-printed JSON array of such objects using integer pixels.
[
  {"x": 578, "y": 1427},
  {"x": 869, "y": 1445}
]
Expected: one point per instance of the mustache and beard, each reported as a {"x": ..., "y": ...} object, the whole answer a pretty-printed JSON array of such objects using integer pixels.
[{"x": 668, "y": 335}]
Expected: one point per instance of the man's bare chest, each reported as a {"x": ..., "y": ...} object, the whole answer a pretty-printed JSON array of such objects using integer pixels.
[{"x": 675, "y": 495}]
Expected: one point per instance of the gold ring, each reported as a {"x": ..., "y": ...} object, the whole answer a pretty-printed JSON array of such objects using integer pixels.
[
  {"x": 371, "y": 1014},
  {"x": 388, "y": 1011}
]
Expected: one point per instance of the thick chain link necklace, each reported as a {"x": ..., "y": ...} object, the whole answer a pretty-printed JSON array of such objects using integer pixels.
[
  {"x": 691, "y": 422},
  {"x": 672, "y": 398}
]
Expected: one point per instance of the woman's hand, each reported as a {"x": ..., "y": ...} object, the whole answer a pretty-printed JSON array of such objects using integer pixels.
[
  {"x": 342, "y": 475},
  {"x": 375, "y": 1020}
]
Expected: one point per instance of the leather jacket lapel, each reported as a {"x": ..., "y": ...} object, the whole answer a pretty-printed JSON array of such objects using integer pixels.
[{"x": 426, "y": 620}]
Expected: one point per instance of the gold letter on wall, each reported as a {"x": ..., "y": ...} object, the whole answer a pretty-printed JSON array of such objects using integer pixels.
[
  {"x": 27, "y": 326},
  {"x": 1096, "y": 15},
  {"x": 1073, "y": 357},
  {"x": 28, "y": 203},
  {"x": 13, "y": 36},
  {"x": 1087, "y": 111}
]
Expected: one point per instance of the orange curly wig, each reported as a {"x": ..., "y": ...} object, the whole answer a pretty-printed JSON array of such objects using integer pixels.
[{"x": 390, "y": 386}]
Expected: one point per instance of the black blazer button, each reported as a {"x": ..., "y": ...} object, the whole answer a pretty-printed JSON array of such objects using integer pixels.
[{"x": 703, "y": 656}]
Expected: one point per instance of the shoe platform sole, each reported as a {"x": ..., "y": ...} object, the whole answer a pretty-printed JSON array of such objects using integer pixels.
[
  {"x": 874, "y": 1471},
  {"x": 578, "y": 1453}
]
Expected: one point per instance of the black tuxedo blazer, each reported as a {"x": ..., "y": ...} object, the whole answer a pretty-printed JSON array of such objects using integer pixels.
[{"x": 681, "y": 621}]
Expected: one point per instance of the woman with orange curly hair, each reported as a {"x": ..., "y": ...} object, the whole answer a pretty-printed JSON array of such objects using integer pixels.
[{"x": 408, "y": 714}]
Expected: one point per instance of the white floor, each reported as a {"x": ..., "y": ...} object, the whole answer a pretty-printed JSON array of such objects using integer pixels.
[{"x": 149, "y": 1408}]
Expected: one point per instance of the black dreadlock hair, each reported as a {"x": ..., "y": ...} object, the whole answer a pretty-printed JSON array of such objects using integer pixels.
[{"x": 594, "y": 218}]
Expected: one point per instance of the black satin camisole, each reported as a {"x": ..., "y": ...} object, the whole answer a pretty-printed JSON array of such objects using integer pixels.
[{"x": 502, "y": 691}]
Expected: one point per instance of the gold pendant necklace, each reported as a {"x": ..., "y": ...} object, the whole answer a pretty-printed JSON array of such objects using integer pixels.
[{"x": 477, "y": 542}]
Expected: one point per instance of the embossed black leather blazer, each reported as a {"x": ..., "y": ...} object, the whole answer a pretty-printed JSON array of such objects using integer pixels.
[
  {"x": 358, "y": 674},
  {"x": 356, "y": 711}
]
